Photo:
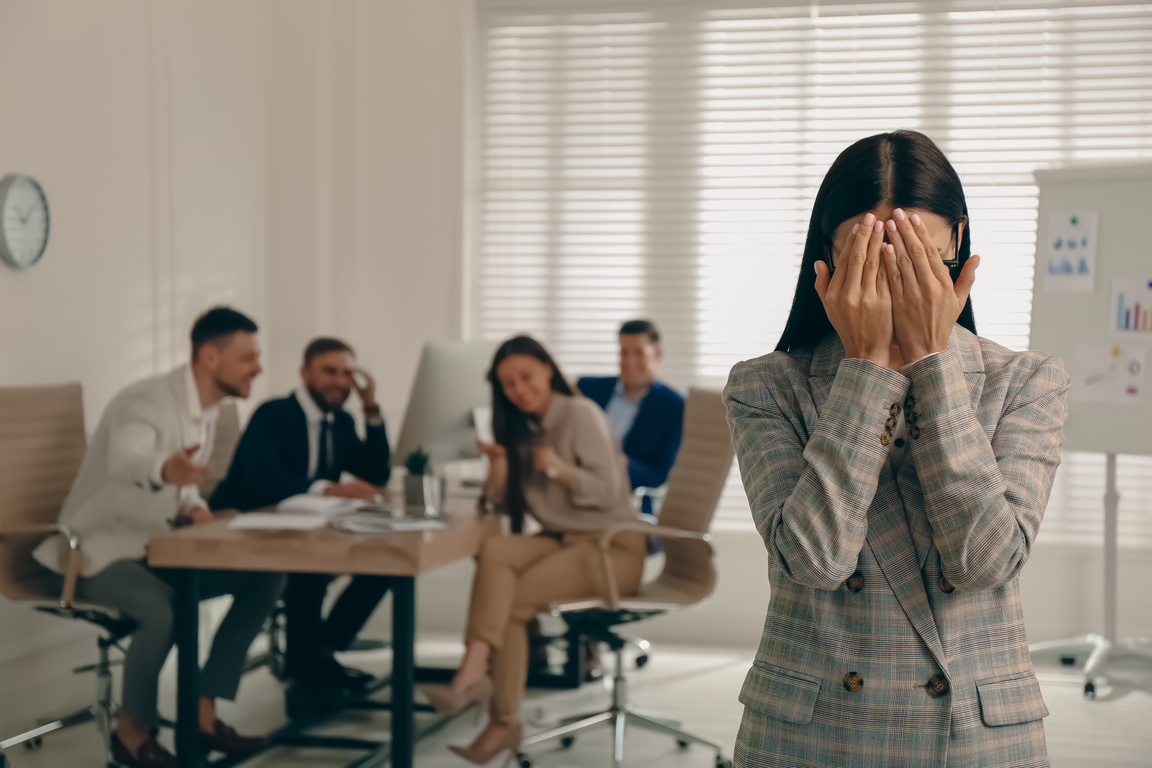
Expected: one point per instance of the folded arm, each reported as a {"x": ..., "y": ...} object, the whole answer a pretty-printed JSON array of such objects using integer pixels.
[
  {"x": 810, "y": 499},
  {"x": 986, "y": 498}
]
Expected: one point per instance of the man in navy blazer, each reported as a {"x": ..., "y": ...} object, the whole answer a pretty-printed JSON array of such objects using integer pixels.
[
  {"x": 305, "y": 443},
  {"x": 646, "y": 416}
]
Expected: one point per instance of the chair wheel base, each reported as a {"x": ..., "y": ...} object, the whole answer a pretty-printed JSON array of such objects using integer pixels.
[
  {"x": 567, "y": 742},
  {"x": 35, "y": 743},
  {"x": 723, "y": 762},
  {"x": 523, "y": 761},
  {"x": 1089, "y": 690}
]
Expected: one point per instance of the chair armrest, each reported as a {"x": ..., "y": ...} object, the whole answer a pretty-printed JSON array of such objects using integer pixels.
[
  {"x": 650, "y": 529},
  {"x": 75, "y": 555}
]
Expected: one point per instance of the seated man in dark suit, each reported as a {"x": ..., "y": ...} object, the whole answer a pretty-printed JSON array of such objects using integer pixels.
[
  {"x": 304, "y": 443},
  {"x": 646, "y": 416}
]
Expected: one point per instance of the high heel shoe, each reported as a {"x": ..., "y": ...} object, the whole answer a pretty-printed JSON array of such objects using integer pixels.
[
  {"x": 510, "y": 744},
  {"x": 447, "y": 702}
]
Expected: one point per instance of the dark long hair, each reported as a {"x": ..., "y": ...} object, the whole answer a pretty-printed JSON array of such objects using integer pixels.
[
  {"x": 514, "y": 429},
  {"x": 903, "y": 169}
]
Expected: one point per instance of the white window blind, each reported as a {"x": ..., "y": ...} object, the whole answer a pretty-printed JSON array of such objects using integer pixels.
[{"x": 659, "y": 159}]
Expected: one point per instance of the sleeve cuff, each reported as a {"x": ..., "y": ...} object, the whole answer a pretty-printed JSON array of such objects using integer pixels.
[
  {"x": 156, "y": 477},
  {"x": 908, "y": 366},
  {"x": 317, "y": 488}
]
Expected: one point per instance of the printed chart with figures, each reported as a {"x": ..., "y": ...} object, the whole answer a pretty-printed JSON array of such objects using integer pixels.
[
  {"x": 1103, "y": 374},
  {"x": 1071, "y": 252},
  {"x": 1132, "y": 306}
]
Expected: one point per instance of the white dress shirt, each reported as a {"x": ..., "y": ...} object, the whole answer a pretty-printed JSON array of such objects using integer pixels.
[{"x": 197, "y": 427}]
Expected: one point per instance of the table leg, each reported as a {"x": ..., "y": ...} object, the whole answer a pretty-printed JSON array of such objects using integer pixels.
[
  {"x": 187, "y": 631},
  {"x": 403, "y": 670}
]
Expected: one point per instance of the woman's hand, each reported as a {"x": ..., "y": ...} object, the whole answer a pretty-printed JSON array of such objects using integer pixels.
[
  {"x": 492, "y": 451},
  {"x": 856, "y": 295},
  {"x": 925, "y": 303},
  {"x": 547, "y": 461},
  {"x": 497, "y": 481}
]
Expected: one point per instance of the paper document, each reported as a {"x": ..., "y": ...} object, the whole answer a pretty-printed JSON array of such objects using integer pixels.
[
  {"x": 270, "y": 521},
  {"x": 323, "y": 507},
  {"x": 383, "y": 524}
]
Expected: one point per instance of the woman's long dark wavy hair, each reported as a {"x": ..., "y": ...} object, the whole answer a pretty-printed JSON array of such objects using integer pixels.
[
  {"x": 903, "y": 169},
  {"x": 513, "y": 428}
]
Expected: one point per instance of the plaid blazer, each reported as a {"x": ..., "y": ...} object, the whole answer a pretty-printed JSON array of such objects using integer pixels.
[{"x": 895, "y": 635}]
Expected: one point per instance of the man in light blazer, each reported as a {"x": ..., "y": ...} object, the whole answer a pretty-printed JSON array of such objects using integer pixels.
[
  {"x": 894, "y": 635},
  {"x": 139, "y": 478}
]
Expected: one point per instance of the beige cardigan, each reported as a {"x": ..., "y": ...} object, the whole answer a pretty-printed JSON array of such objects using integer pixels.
[{"x": 600, "y": 496}]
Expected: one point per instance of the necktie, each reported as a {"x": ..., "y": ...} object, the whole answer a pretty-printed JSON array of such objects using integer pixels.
[{"x": 324, "y": 455}]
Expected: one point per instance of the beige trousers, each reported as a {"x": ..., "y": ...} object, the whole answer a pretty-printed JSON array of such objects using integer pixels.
[{"x": 517, "y": 577}]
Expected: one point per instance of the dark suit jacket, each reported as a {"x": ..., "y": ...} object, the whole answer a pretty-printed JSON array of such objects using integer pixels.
[
  {"x": 271, "y": 461},
  {"x": 654, "y": 439}
]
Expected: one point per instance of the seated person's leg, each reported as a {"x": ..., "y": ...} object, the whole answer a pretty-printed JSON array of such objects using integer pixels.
[
  {"x": 353, "y": 609},
  {"x": 132, "y": 588},
  {"x": 304, "y": 648},
  {"x": 253, "y": 596},
  {"x": 345, "y": 620}
]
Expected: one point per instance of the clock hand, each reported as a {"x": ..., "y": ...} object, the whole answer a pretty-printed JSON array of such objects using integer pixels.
[{"x": 24, "y": 218}]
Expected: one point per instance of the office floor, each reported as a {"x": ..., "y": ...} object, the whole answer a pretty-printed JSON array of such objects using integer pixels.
[{"x": 696, "y": 686}]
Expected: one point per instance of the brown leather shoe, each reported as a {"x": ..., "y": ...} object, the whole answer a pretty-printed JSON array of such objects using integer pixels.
[
  {"x": 150, "y": 755},
  {"x": 225, "y": 739}
]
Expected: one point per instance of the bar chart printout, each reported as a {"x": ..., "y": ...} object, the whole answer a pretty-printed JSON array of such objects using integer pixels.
[{"x": 1132, "y": 306}]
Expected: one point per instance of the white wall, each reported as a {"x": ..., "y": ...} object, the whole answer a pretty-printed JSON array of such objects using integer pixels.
[
  {"x": 365, "y": 158},
  {"x": 144, "y": 122},
  {"x": 301, "y": 160}
]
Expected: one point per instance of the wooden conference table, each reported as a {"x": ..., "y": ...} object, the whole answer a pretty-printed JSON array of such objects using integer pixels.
[{"x": 215, "y": 546}]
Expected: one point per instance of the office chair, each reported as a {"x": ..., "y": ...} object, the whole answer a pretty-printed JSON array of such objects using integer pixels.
[
  {"x": 42, "y": 443},
  {"x": 688, "y": 579}
]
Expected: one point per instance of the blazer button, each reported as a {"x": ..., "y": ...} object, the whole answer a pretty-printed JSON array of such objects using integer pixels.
[
  {"x": 937, "y": 686},
  {"x": 891, "y": 423},
  {"x": 894, "y": 410},
  {"x": 909, "y": 402},
  {"x": 914, "y": 433},
  {"x": 886, "y": 438},
  {"x": 855, "y": 582},
  {"x": 946, "y": 586},
  {"x": 853, "y": 682}
]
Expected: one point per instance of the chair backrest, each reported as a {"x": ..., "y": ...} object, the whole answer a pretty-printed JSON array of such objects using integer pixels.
[
  {"x": 223, "y": 447},
  {"x": 42, "y": 444},
  {"x": 694, "y": 486}
]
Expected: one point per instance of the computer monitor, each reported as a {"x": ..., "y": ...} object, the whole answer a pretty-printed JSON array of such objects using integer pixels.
[{"x": 450, "y": 389}]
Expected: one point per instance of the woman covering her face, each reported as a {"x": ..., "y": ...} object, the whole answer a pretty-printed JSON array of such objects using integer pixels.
[{"x": 897, "y": 466}]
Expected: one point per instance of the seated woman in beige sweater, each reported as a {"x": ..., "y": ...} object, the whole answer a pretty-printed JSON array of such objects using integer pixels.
[{"x": 555, "y": 459}]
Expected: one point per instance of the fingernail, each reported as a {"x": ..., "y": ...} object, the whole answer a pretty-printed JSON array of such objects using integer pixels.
[
  {"x": 915, "y": 220},
  {"x": 891, "y": 225},
  {"x": 855, "y": 227},
  {"x": 868, "y": 219},
  {"x": 899, "y": 214},
  {"x": 878, "y": 227}
]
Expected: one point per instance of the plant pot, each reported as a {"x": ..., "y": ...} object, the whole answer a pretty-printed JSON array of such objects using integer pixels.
[{"x": 423, "y": 495}]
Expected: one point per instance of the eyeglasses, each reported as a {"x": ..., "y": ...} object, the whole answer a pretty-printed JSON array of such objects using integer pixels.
[{"x": 953, "y": 263}]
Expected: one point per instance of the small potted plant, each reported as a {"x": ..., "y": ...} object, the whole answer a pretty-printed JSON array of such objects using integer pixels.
[{"x": 422, "y": 490}]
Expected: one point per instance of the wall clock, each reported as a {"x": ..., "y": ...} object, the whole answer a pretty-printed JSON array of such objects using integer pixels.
[{"x": 23, "y": 221}]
